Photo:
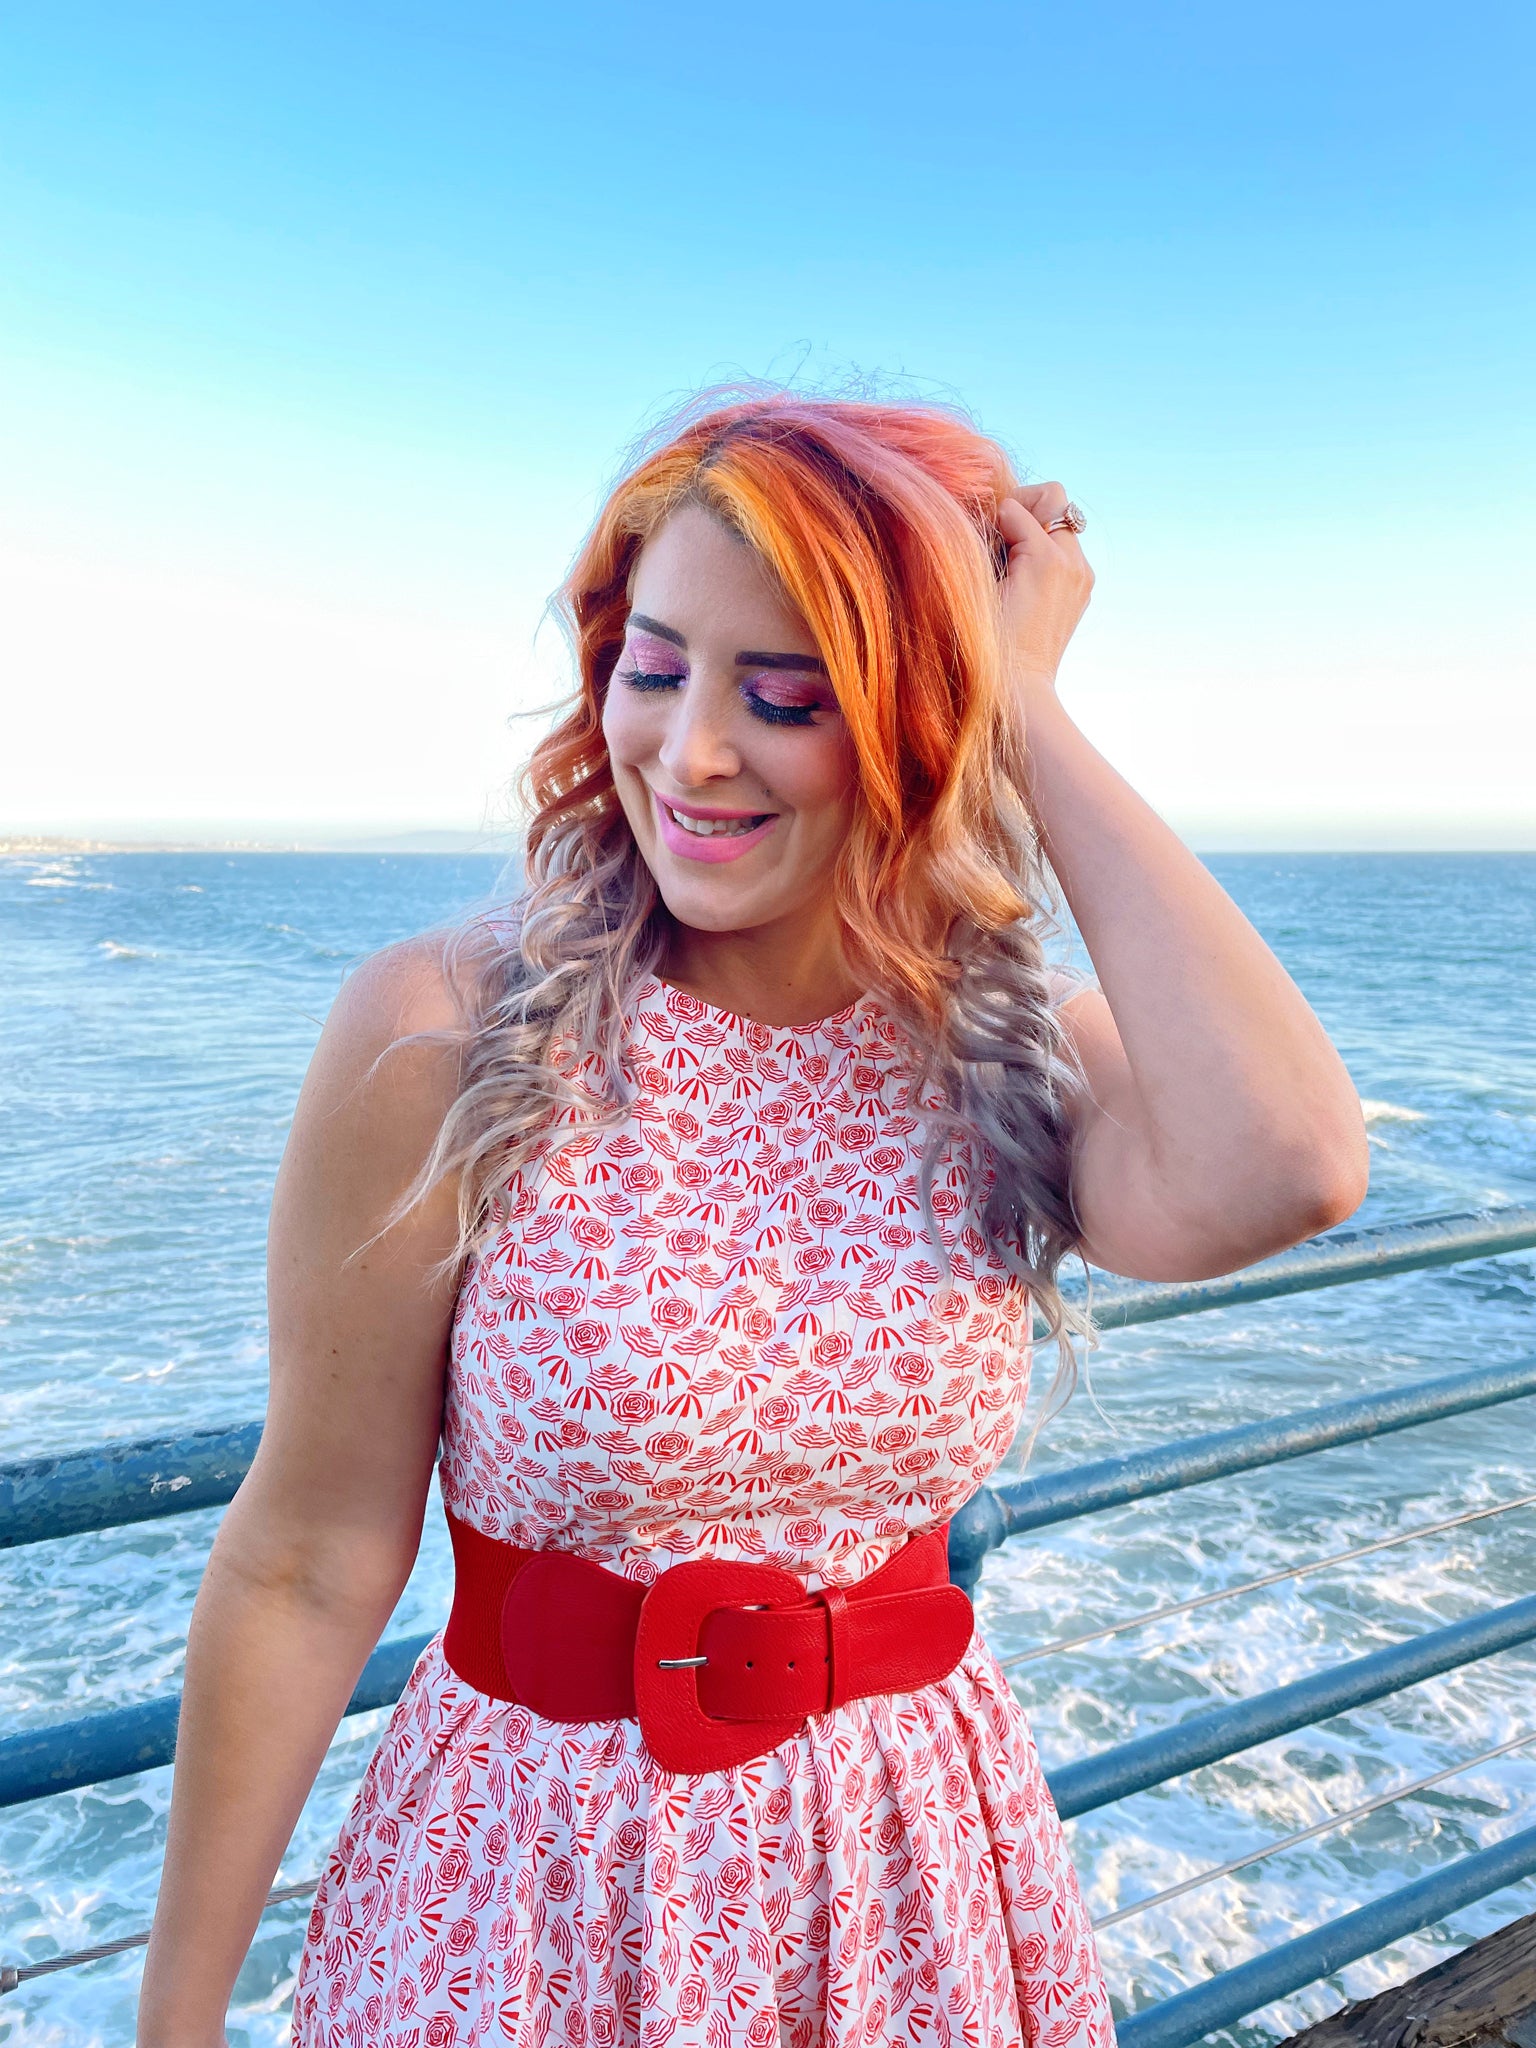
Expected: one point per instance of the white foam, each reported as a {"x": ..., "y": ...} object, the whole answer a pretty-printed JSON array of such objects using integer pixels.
[{"x": 1389, "y": 1112}]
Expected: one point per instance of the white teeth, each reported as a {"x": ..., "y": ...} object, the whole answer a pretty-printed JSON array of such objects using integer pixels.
[{"x": 714, "y": 828}]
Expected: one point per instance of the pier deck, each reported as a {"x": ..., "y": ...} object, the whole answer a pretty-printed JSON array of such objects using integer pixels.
[{"x": 1485, "y": 1997}]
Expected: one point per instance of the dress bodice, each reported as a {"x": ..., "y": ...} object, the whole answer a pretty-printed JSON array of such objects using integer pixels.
[{"x": 719, "y": 1328}]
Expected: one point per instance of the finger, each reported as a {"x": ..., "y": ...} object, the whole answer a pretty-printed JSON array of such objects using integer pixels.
[
  {"x": 1017, "y": 523},
  {"x": 1023, "y": 528},
  {"x": 1039, "y": 504},
  {"x": 1046, "y": 501}
]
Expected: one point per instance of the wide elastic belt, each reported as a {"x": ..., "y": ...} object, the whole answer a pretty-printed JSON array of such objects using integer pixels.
[{"x": 720, "y": 1659}]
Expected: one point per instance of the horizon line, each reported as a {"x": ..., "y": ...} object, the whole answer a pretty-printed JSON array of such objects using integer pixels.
[{"x": 447, "y": 842}]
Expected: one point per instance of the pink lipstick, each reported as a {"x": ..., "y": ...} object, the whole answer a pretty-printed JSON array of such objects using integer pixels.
[{"x": 713, "y": 845}]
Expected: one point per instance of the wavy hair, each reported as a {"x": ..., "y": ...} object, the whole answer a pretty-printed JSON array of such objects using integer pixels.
[{"x": 879, "y": 522}]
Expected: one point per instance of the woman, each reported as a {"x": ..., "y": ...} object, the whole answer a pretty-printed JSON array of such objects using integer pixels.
[{"x": 704, "y": 1201}]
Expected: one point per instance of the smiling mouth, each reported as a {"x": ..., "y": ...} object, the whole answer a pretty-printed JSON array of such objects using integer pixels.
[{"x": 716, "y": 828}]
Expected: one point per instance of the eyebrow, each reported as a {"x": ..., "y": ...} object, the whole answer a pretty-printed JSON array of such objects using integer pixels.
[{"x": 748, "y": 658}]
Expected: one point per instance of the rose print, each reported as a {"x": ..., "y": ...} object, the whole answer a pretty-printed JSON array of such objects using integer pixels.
[
  {"x": 588, "y": 1337},
  {"x": 562, "y": 1301},
  {"x": 911, "y": 1369},
  {"x": 900, "y": 1436},
  {"x": 667, "y": 1443},
  {"x": 634, "y": 1405}
]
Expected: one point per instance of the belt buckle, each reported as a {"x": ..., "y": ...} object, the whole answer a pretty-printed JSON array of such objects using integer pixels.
[{"x": 677, "y": 1731}]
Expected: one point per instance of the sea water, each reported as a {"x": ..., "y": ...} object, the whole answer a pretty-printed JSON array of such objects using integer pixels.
[{"x": 156, "y": 1015}]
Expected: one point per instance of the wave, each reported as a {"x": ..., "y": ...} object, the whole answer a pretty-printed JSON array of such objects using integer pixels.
[
  {"x": 114, "y": 951},
  {"x": 1389, "y": 1113}
]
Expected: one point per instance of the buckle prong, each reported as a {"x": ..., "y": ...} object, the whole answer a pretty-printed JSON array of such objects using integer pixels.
[{"x": 678, "y": 1663}]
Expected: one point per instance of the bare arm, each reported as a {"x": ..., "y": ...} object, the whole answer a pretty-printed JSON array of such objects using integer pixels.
[
  {"x": 316, "y": 1546},
  {"x": 1220, "y": 1125}
]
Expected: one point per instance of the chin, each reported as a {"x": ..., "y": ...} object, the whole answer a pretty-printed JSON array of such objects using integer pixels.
[
  {"x": 713, "y": 900},
  {"x": 714, "y": 910}
]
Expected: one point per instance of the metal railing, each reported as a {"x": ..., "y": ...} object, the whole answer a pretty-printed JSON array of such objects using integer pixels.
[{"x": 42, "y": 1499}]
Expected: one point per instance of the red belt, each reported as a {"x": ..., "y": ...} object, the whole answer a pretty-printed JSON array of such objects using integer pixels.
[{"x": 719, "y": 1659}]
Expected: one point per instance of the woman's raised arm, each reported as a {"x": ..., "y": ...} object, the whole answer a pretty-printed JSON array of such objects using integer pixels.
[
  {"x": 316, "y": 1546},
  {"x": 1221, "y": 1125}
]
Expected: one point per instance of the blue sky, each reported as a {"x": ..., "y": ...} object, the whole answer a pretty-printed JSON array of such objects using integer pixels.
[{"x": 322, "y": 328}]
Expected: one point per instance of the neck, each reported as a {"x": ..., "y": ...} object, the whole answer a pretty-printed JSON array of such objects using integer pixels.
[{"x": 775, "y": 977}]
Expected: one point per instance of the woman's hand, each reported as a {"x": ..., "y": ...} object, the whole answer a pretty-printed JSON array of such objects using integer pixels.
[{"x": 1047, "y": 585}]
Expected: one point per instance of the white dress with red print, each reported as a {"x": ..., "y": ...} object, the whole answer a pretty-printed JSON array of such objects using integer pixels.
[{"x": 717, "y": 1329}]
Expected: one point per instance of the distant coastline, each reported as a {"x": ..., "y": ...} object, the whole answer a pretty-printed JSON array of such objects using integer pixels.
[
  {"x": 53, "y": 846},
  {"x": 47, "y": 846}
]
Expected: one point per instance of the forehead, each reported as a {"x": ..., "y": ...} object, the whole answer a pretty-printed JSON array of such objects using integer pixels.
[{"x": 697, "y": 576}]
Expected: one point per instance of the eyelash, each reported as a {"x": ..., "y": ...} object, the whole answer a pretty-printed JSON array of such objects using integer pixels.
[{"x": 771, "y": 714}]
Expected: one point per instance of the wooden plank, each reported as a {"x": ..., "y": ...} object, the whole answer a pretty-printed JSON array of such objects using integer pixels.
[{"x": 1485, "y": 1997}]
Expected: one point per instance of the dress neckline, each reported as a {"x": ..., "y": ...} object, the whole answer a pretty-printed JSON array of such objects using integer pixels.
[{"x": 653, "y": 985}]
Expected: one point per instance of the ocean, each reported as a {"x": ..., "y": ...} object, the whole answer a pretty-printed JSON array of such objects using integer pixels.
[{"x": 156, "y": 1015}]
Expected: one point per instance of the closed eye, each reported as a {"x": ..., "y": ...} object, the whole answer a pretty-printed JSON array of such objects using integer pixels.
[
  {"x": 650, "y": 679},
  {"x": 778, "y": 714},
  {"x": 771, "y": 710}
]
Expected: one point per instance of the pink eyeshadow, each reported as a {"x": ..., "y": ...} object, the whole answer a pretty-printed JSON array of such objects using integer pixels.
[
  {"x": 657, "y": 654},
  {"x": 791, "y": 693}
]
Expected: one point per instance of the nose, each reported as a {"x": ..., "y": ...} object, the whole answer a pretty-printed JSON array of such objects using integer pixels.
[{"x": 699, "y": 746}]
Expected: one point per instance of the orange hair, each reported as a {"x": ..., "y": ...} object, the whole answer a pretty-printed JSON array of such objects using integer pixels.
[{"x": 879, "y": 522}]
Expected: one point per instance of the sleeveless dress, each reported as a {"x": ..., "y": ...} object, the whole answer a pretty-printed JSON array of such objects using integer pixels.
[{"x": 717, "y": 1329}]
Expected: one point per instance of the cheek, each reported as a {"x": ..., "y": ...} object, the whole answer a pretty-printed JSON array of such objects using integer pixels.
[
  {"x": 619, "y": 727},
  {"x": 634, "y": 730},
  {"x": 820, "y": 778}
]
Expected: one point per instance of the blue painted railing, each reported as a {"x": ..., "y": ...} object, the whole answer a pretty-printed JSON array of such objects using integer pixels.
[{"x": 42, "y": 1499}]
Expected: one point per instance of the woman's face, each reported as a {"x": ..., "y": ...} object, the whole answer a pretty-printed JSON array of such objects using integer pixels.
[{"x": 720, "y": 716}]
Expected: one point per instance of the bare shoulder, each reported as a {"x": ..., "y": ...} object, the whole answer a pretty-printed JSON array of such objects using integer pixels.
[
  {"x": 383, "y": 1076},
  {"x": 360, "y": 1289},
  {"x": 404, "y": 989},
  {"x": 391, "y": 1044}
]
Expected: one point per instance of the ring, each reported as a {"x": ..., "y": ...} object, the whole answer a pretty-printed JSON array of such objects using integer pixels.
[{"x": 1072, "y": 517}]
